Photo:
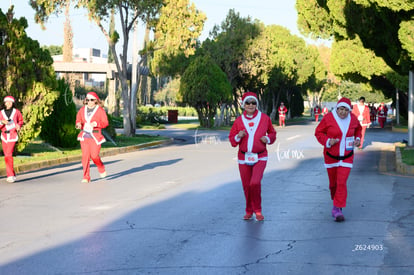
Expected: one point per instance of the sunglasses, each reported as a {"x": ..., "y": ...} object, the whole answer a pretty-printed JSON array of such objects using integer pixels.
[
  {"x": 251, "y": 103},
  {"x": 90, "y": 100}
]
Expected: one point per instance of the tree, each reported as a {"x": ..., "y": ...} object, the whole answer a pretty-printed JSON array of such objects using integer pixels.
[
  {"x": 169, "y": 95},
  {"x": 385, "y": 27},
  {"x": 58, "y": 128},
  {"x": 26, "y": 73},
  {"x": 53, "y": 49},
  {"x": 372, "y": 37},
  {"x": 99, "y": 10},
  {"x": 176, "y": 32},
  {"x": 278, "y": 64},
  {"x": 228, "y": 46},
  {"x": 111, "y": 32},
  {"x": 68, "y": 37},
  {"x": 205, "y": 87},
  {"x": 130, "y": 11}
]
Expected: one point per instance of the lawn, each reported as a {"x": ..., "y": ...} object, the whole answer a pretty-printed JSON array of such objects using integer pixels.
[
  {"x": 38, "y": 151},
  {"x": 407, "y": 155}
]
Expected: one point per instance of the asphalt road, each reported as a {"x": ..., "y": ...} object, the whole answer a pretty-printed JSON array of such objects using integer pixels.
[{"x": 178, "y": 210}]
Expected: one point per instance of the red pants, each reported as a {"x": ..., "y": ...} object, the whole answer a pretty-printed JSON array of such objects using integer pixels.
[
  {"x": 251, "y": 177},
  {"x": 338, "y": 177},
  {"x": 316, "y": 118},
  {"x": 281, "y": 121},
  {"x": 90, "y": 150},
  {"x": 8, "y": 148},
  {"x": 381, "y": 121},
  {"x": 364, "y": 128}
]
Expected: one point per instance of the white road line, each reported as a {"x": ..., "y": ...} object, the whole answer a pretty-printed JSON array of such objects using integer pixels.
[{"x": 290, "y": 138}]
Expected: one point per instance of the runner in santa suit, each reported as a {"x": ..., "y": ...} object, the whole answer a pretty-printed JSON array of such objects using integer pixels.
[
  {"x": 252, "y": 131},
  {"x": 11, "y": 120},
  {"x": 361, "y": 111},
  {"x": 282, "y": 114},
  {"x": 325, "y": 111},
  {"x": 373, "y": 113},
  {"x": 382, "y": 114},
  {"x": 91, "y": 119},
  {"x": 339, "y": 132},
  {"x": 317, "y": 112}
]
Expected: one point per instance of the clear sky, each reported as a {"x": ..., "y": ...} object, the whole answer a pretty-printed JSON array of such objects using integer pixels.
[{"x": 87, "y": 34}]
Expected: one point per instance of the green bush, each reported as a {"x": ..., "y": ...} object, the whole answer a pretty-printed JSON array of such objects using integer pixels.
[
  {"x": 110, "y": 129},
  {"x": 150, "y": 115},
  {"x": 58, "y": 129}
]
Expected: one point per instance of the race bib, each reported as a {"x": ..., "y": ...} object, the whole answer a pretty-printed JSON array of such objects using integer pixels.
[
  {"x": 88, "y": 128},
  {"x": 10, "y": 125},
  {"x": 251, "y": 158},
  {"x": 349, "y": 143}
]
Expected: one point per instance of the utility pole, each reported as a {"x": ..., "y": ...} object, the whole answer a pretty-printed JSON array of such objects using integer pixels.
[
  {"x": 411, "y": 109},
  {"x": 397, "y": 106}
]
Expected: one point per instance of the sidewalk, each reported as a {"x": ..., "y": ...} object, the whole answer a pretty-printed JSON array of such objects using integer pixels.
[{"x": 27, "y": 167}]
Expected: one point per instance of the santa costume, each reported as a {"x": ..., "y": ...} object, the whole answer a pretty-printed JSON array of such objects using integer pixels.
[
  {"x": 361, "y": 111},
  {"x": 382, "y": 114},
  {"x": 252, "y": 154},
  {"x": 325, "y": 111},
  {"x": 11, "y": 120},
  {"x": 282, "y": 114},
  {"x": 317, "y": 112},
  {"x": 91, "y": 121},
  {"x": 340, "y": 156}
]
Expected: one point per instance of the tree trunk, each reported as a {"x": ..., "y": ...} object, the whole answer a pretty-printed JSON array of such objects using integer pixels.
[
  {"x": 126, "y": 109},
  {"x": 111, "y": 99}
]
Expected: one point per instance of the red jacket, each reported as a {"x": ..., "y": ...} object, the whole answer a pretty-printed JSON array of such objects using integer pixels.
[
  {"x": 99, "y": 116},
  {"x": 256, "y": 127},
  {"x": 282, "y": 111},
  {"x": 9, "y": 132},
  {"x": 329, "y": 128},
  {"x": 364, "y": 117},
  {"x": 382, "y": 111}
]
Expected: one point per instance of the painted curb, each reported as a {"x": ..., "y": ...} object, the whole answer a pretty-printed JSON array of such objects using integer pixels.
[
  {"x": 104, "y": 153},
  {"x": 399, "y": 130}
]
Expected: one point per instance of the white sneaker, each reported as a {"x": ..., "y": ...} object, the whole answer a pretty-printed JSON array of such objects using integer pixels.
[
  {"x": 11, "y": 179},
  {"x": 103, "y": 175},
  {"x": 84, "y": 181}
]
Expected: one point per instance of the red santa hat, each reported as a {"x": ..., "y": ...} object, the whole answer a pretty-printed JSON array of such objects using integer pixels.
[
  {"x": 92, "y": 95},
  {"x": 344, "y": 102},
  {"x": 9, "y": 98},
  {"x": 247, "y": 96}
]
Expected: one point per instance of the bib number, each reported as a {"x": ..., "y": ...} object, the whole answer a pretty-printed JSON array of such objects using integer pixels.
[
  {"x": 251, "y": 158},
  {"x": 10, "y": 125},
  {"x": 349, "y": 143},
  {"x": 88, "y": 128}
]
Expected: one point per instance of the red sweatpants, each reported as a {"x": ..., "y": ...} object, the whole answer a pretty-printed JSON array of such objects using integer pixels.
[
  {"x": 251, "y": 177},
  {"x": 316, "y": 117},
  {"x": 8, "y": 148},
  {"x": 338, "y": 177},
  {"x": 381, "y": 121},
  {"x": 90, "y": 150},
  {"x": 282, "y": 121},
  {"x": 364, "y": 129}
]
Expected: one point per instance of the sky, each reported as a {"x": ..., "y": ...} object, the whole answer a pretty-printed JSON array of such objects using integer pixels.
[{"x": 88, "y": 35}]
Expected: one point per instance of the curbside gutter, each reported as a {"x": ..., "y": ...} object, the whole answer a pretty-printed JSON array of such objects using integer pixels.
[{"x": 106, "y": 152}]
